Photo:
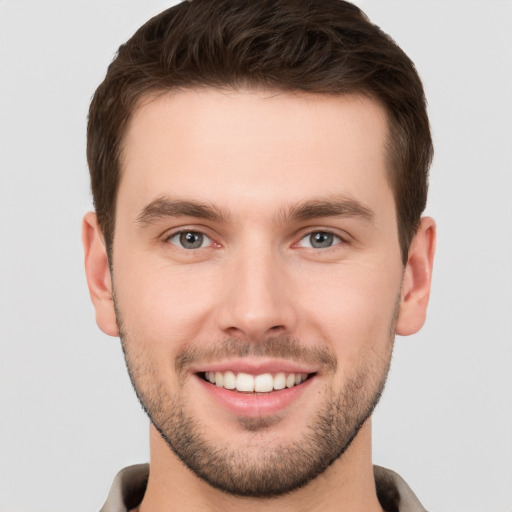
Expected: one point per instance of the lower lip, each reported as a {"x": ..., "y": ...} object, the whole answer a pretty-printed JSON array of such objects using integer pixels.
[{"x": 252, "y": 405}]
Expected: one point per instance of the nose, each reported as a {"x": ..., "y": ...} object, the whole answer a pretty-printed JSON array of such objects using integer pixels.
[{"x": 257, "y": 301}]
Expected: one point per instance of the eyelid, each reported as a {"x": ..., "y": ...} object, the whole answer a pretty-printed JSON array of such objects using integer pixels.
[
  {"x": 168, "y": 235},
  {"x": 342, "y": 237}
]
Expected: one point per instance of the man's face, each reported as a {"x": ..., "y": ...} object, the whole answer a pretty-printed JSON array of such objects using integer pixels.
[{"x": 256, "y": 246}]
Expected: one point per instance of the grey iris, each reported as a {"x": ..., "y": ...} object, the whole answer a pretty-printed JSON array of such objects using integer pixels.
[
  {"x": 320, "y": 239},
  {"x": 191, "y": 240}
]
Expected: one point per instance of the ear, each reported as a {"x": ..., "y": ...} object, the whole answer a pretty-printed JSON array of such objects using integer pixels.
[
  {"x": 417, "y": 279},
  {"x": 98, "y": 275}
]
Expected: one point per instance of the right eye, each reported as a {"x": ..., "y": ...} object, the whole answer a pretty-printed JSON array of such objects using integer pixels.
[{"x": 190, "y": 240}]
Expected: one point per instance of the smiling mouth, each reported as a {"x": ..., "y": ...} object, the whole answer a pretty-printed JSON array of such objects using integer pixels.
[{"x": 262, "y": 383}]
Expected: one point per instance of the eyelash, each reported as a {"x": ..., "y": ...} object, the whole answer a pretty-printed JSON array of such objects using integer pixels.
[
  {"x": 182, "y": 232},
  {"x": 335, "y": 239}
]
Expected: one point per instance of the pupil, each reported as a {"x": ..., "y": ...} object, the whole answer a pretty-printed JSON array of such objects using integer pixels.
[
  {"x": 191, "y": 240},
  {"x": 321, "y": 239}
]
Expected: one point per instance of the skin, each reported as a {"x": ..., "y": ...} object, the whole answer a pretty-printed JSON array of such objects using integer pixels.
[{"x": 255, "y": 158}]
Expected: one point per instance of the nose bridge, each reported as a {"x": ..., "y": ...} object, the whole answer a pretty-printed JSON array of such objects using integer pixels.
[{"x": 256, "y": 303}]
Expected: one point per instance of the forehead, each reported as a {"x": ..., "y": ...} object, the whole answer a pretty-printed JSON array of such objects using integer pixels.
[{"x": 254, "y": 147}]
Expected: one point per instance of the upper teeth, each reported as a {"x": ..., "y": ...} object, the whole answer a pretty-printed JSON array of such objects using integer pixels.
[{"x": 262, "y": 383}]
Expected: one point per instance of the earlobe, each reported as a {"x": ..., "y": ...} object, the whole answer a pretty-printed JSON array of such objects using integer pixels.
[
  {"x": 98, "y": 275},
  {"x": 417, "y": 279}
]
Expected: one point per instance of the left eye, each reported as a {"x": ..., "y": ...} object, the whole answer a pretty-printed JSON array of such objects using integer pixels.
[
  {"x": 320, "y": 240},
  {"x": 190, "y": 240}
]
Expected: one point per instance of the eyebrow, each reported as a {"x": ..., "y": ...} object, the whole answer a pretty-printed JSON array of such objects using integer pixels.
[
  {"x": 164, "y": 207},
  {"x": 312, "y": 209}
]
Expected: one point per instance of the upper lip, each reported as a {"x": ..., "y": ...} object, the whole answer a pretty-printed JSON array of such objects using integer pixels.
[{"x": 255, "y": 366}]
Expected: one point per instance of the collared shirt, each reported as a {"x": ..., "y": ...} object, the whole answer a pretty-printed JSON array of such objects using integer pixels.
[{"x": 130, "y": 484}]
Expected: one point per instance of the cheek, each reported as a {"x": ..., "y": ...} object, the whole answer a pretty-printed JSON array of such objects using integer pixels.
[
  {"x": 353, "y": 311},
  {"x": 161, "y": 311},
  {"x": 163, "y": 304}
]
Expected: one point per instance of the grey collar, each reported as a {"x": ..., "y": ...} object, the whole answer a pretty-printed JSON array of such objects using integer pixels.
[{"x": 130, "y": 483}]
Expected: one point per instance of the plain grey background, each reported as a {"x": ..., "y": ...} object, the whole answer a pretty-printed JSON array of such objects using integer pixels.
[{"x": 69, "y": 418}]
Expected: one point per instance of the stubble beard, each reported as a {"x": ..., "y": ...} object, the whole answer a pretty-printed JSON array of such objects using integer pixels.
[{"x": 259, "y": 471}]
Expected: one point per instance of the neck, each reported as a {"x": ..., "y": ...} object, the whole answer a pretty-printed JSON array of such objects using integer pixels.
[{"x": 348, "y": 484}]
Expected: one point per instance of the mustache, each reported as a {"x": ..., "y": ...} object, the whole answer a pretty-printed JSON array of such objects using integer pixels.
[{"x": 279, "y": 347}]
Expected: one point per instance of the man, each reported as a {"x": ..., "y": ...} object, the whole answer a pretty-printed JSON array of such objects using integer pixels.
[{"x": 259, "y": 171}]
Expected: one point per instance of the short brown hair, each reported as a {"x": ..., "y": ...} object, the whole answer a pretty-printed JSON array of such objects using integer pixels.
[{"x": 317, "y": 46}]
